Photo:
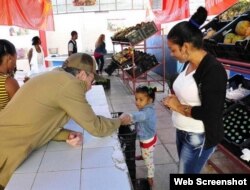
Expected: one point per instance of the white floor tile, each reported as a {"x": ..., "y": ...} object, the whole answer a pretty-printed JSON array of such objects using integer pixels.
[
  {"x": 94, "y": 142},
  {"x": 32, "y": 163},
  {"x": 97, "y": 157},
  {"x": 21, "y": 181},
  {"x": 63, "y": 180},
  {"x": 61, "y": 160},
  {"x": 59, "y": 146},
  {"x": 102, "y": 110},
  {"x": 108, "y": 179}
]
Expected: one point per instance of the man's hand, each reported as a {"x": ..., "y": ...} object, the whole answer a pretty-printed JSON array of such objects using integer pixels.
[
  {"x": 26, "y": 79},
  {"x": 125, "y": 119},
  {"x": 75, "y": 139}
]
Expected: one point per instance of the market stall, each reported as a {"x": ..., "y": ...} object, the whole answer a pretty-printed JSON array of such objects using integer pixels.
[{"x": 227, "y": 37}]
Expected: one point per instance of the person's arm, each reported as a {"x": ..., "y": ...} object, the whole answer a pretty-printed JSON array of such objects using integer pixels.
[
  {"x": 134, "y": 117},
  {"x": 104, "y": 48},
  {"x": 30, "y": 56},
  {"x": 70, "y": 48},
  {"x": 71, "y": 137},
  {"x": 213, "y": 90},
  {"x": 30, "y": 53},
  {"x": 11, "y": 86},
  {"x": 72, "y": 99}
]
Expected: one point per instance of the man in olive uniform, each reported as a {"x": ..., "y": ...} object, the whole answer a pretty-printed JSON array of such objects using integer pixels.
[{"x": 40, "y": 109}]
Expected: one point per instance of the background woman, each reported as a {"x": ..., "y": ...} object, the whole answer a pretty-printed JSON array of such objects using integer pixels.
[
  {"x": 100, "y": 51},
  {"x": 8, "y": 85},
  {"x": 36, "y": 56},
  {"x": 199, "y": 95}
]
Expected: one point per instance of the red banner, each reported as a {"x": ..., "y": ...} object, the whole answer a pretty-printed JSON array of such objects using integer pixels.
[
  {"x": 215, "y": 7},
  {"x": 172, "y": 10},
  {"x": 32, "y": 14}
]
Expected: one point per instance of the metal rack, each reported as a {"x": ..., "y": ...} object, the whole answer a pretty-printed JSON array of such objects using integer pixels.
[
  {"x": 131, "y": 80},
  {"x": 244, "y": 68}
]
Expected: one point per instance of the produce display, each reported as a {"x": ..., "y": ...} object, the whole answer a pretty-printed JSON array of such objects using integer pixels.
[
  {"x": 237, "y": 125},
  {"x": 123, "y": 56},
  {"x": 238, "y": 9},
  {"x": 124, "y": 59},
  {"x": 236, "y": 120},
  {"x": 223, "y": 19},
  {"x": 231, "y": 41},
  {"x": 135, "y": 34},
  {"x": 242, "y": 31}
]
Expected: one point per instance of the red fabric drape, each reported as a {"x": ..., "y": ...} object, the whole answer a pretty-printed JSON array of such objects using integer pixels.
[
  {"x": 215, "y": 7},
  {"x": 32, "y": 14},
  {"x": 42, "y": 35},
  {"x": 172, "y": 10}
]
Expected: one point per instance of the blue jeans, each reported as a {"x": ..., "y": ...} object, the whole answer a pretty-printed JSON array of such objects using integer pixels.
[{"x": 191, "y": 152}]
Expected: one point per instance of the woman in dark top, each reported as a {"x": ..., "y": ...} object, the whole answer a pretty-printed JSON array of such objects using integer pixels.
[
  {"x": 100, "y": 51},
  {"x": 198, "y": 99}
]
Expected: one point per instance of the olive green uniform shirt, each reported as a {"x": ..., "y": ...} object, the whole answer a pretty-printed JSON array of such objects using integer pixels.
[{"x": 38, "y": 112}]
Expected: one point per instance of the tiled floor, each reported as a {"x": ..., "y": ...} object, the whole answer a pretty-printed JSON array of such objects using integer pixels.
[{"x": 120, "y": 99}]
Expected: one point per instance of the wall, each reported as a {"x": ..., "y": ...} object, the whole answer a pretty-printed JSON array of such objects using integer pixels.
[
  {"x": 89, "y": 26},
  {"x": 21, "y": 38},
  {"x": 172, "y": 66}
]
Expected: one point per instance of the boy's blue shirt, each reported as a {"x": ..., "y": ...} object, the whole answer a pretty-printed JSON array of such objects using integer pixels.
[{"x": 145, "y": 122}]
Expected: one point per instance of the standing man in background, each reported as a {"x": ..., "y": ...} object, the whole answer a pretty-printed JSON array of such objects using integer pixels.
[{"x": 72, "y": 46}]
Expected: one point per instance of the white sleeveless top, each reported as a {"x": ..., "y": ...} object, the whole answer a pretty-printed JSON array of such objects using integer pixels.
[{"x": 37, "y": 61}]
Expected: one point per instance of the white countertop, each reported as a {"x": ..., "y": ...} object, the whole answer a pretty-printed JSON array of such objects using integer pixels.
[
  {"x": 56, "y": 58},
  {"x": 62, "y": 58},
  {"x": 97, "y": 165}
]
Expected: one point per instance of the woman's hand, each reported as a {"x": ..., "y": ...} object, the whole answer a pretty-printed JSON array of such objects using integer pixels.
[
  {"x": 75, "y": 139},
  {"x": 172, "y": 102}
]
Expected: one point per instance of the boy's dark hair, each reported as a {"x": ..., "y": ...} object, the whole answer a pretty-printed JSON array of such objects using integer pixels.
[
  {"x": 6, "y": 47},
  {"x": 35, "y": 40},
  {"x": 73, "y": 33},
  {"x": 199, "y": 17},
  {"x": 147, "y": 90}
]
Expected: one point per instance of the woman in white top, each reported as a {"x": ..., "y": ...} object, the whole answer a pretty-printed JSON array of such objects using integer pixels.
[{"x": 36, "y": 56}]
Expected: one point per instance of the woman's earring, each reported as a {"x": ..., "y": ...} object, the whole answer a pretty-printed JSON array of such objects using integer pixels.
[{"x": 186, "y": 55}]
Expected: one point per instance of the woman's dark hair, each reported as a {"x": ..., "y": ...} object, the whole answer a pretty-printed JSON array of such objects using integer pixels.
[
  {"x": 199, "y": 17},
  {"x": 188, "y": 31},
  {"x": 6, "y": 48},
  {"x": 35, "y": 40},
  {"x": 185, "y": 32},
  {"x": 149, "y": 91}
]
